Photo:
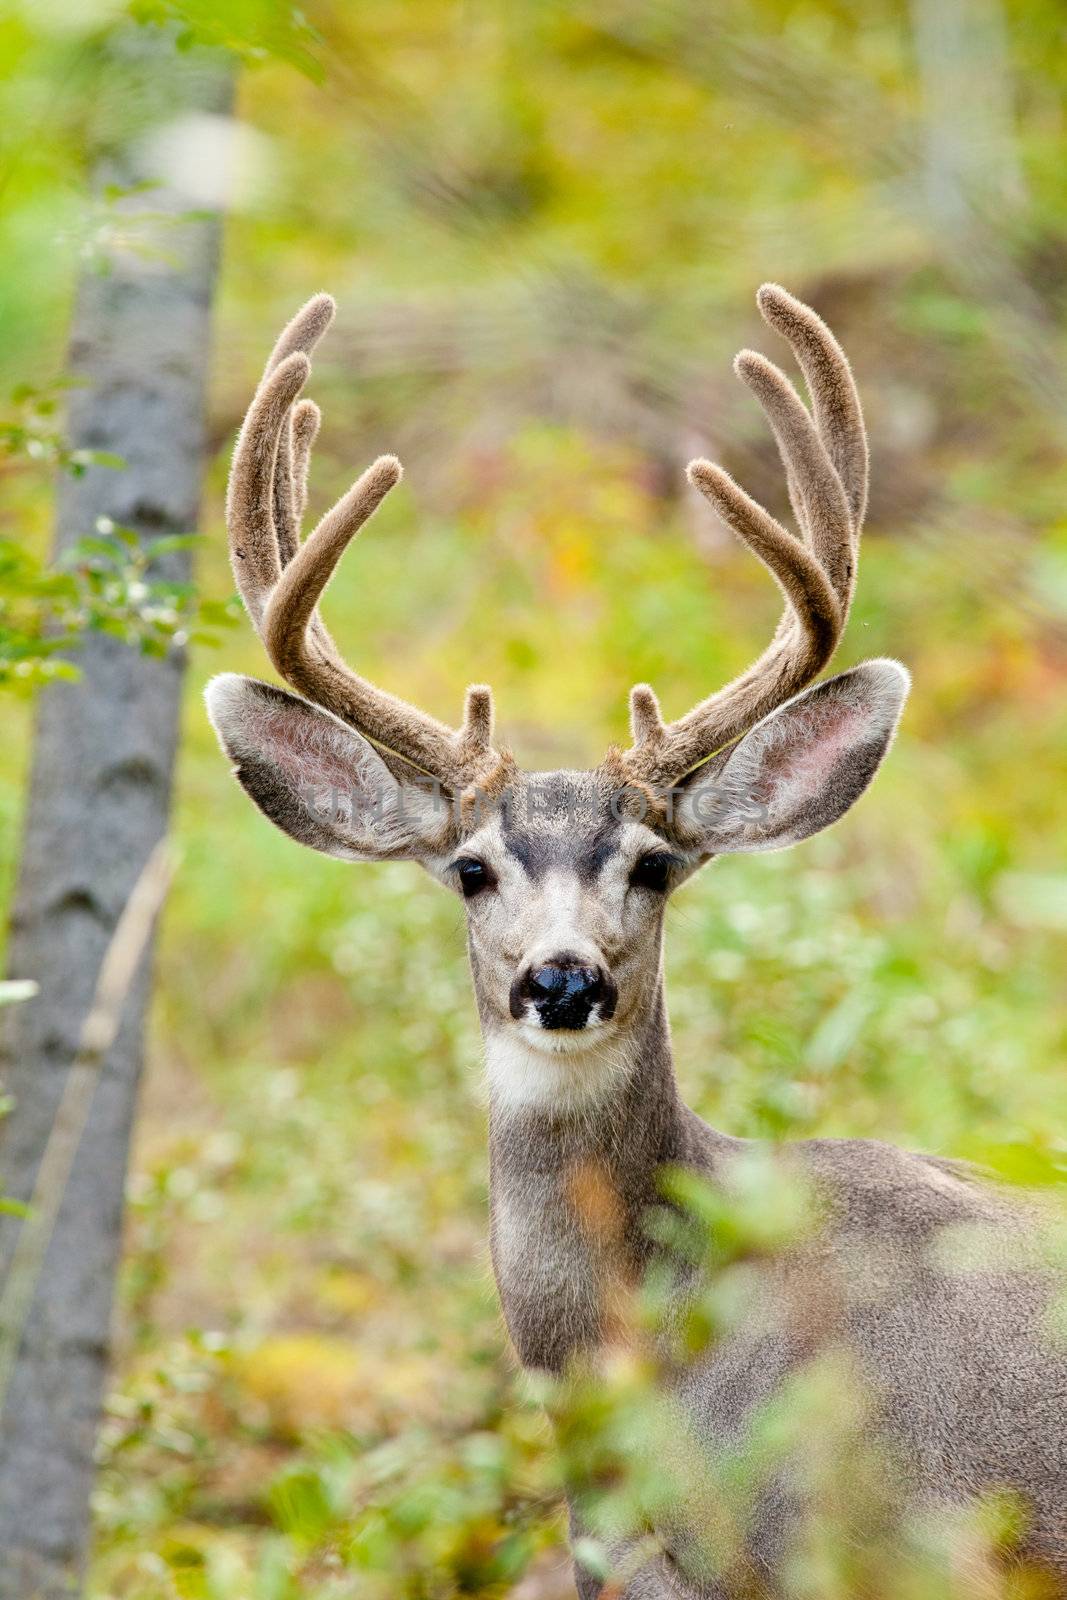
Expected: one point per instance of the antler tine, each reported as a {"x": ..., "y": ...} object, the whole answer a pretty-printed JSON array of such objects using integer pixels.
[
  {"x": 306, "y": 420},
  {"x": 259, "y": 502},
  {"x": 825, "y": 460},
  {"x": 320, "y": 673},
  {"x": 250, "y": 498},
  {"x": 817, "y": 492},
  {"x": 646, "y": 719},
  {"x": 282, "y": 580},
  {"x": 303, "y": 333},
  {"x": 834, "y": 396},
  {"x": 476, "y": 731}
]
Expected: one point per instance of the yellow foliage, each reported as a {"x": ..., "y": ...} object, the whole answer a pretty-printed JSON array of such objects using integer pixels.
[
  {"x": 303, "y": 1383},
  {"x": 350, "y": 1293}
]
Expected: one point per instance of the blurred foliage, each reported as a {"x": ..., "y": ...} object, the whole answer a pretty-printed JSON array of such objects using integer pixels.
[
  {"x": 255, "y": 31},
  {"x": 544, "y": 224},
  {"x": 104, "y": 583}
]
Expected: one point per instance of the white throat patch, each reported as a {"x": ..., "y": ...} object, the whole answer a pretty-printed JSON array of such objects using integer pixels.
[{"x": 528, "y": 1067}]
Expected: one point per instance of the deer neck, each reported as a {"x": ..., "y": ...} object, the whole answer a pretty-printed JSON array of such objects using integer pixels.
[{"x": 576, "y": 1141}]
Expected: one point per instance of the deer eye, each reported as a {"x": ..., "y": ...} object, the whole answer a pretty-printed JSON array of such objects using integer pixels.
[
  {"x": 474, "y": 876},
  {"x": 653, "y": 871}
]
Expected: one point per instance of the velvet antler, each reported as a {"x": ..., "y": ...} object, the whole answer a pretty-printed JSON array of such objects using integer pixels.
[
  {"x": 825, "y": 460},
  {"x": 281, "y": 579}
]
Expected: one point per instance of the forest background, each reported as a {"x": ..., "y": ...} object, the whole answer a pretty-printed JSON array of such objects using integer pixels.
[{"x": 544, "y": 225}]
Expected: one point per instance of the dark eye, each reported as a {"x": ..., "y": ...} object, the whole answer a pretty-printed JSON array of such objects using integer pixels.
[
  {"x": 474, "y": 876},
  {"x": 652, "y": 871}
]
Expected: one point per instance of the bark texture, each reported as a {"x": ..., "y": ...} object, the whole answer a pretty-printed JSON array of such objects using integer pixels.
[{"x": 98, "y": 802}]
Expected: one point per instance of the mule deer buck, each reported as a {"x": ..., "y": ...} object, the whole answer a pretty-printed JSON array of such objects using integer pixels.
[{"x": 565, "y": 877}]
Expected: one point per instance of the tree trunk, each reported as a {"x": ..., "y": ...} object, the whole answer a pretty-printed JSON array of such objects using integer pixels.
[
  {"x": 963, "y": 58},
  {"x": 975, "y": 191},
  {"x": 98, "y": 802}
]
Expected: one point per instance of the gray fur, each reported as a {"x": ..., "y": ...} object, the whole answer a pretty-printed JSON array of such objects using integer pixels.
[
  {"x": 800, "y": 769},
  {"x": 317, "y": 779},
  {"x": 959, "y": 1388},
  {"x": 964, "y": 1389}
]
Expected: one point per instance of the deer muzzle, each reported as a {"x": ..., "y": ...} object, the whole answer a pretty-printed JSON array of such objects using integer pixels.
[{"x": 563, "y": 992}]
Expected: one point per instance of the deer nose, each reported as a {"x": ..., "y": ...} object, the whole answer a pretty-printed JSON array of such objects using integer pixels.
[
  {"x": 563, "y": 992},
  {"x": 560, "y": 983}
]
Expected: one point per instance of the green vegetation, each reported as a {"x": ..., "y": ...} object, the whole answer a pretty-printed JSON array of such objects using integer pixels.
[{"x": 544, "y": 225}]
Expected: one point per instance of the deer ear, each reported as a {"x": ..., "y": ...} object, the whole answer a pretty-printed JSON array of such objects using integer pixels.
[
  {"x": 320, "y": 781},
  {"x": 799, "y": 769}
]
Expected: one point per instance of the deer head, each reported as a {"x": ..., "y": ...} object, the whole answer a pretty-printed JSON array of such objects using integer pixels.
[{"x": 565, "y": 875}]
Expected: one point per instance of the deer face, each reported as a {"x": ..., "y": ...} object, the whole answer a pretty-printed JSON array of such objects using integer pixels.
[
  {"x": 564, "y": 874},
  {"x": 564, "y": 895}
]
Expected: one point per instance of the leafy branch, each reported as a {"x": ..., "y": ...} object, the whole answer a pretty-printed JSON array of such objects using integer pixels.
[
  {"x": 107, "y": 582},
  {"x": 255, "y": 31},
  {"x": 31, "y": 430}
]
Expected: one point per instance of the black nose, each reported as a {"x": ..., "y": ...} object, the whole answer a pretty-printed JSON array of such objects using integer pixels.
[{"x": 564, "y": 993}]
